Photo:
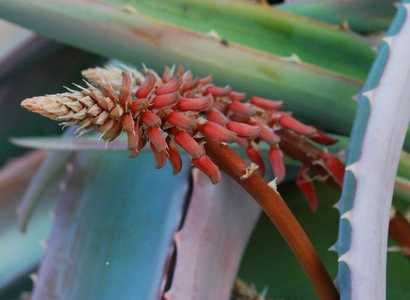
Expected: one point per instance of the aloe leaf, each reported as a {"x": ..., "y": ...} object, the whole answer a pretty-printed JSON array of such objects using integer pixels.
[
  {"x": 215, "y": 231},
  {"x": 19, "y": 252},
  {"x": 111, "y": 198},
  {"x": 366, "y": 198},
  {"x": 12, "y": 37},
  {"x": 52, "y": 168},
  {"x": 69, "y": 143},
  {"x": 365, "y": 16},
  {"x": 269, "y": 30},
  {"x": 134, "y": 37}
]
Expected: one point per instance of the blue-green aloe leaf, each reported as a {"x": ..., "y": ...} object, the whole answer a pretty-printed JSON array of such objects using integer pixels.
[
  {"x": 113, "y": 229},
  {"x": 366, "y": 198}
]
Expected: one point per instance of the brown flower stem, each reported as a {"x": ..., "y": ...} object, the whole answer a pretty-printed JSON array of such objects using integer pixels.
[
  {"x": 279, "y": 213},
  {"x": 399, "y": 231}
]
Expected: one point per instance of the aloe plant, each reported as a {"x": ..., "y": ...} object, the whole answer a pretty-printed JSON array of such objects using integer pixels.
[{"x": 277, "y": 56}]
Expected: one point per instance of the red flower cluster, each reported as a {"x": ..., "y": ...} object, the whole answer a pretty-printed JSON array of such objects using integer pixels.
[{"x": 179, "y": 109}]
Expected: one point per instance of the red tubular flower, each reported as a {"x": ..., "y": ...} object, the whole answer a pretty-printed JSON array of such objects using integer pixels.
[
  {"x": 256, "y": 158},
  {"x": 266, "y": 104},
  {"x": 217, "y": 116},
  {"x": 147, "y": 86},
  {"x": 157, "y": 139},
  {"x": 243, "y": 129},
  {"x": 206, "y": 165},
  {"x": 181, "y": 120},
  {"x": 287, "y": 121},
  {"x": 174, "y": 157},
  {"x": 242, "y": 109},
  {"x": 236, "y": 96},
  {"x": 267, "y": 135},
  {"x": 150, "y": 119},
  {"x": 215, "y": 132},
  {"x": 322, "y": 138},
  {"x": 165, "y": 100},
  {"x": 168, "y": 87},
  {"x": 305, "y": 184},
  {"x": 193, "y": 104},
  {"x": 188, "y": 143},
  {"x": 335, "y": 167},
  {"x": 219, "y": 91},
  {"x": 277, "y": 162}
]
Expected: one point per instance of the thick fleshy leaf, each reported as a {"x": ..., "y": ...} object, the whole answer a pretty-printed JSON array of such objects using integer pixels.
[
  {"x": 115, "y": 221},
  {"x": 365, "y": 16},
  {"x": 69, "y": 143},
  {"x": 55, "y": 165},
  {"x": 214, "y": 233},
  {"x": 20, "y": 252},
  {"x": 270, "y": 30}
]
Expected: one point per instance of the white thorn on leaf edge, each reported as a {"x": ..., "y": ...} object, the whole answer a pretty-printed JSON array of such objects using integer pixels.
[
  {"x": 394, "y": 249},
  {"x": 33, "y": 277},
  {"x": 333, "y": 247},
  {"x": 353, "y": 168},
  {"x": 344, "y": 258},
  {"x": 370, "y": 96},
  {"x": 214, "y": 35},
  {"x": 347, "y": 215},
  {"x": 293, "y": 58},
  {"x": 388, "y": 40}
]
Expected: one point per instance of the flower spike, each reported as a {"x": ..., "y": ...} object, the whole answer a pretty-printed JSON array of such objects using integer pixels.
[{"x": 177, "y": 109}]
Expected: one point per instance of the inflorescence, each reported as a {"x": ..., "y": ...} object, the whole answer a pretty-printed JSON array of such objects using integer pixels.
[{"x": 177, "y": 109}]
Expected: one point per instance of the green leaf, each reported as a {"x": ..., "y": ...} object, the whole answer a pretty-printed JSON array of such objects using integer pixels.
[
  {"x": 113, "y": 229},
  {"x": 365, "y": 16},
  {"x": 270, "y": 30}
]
